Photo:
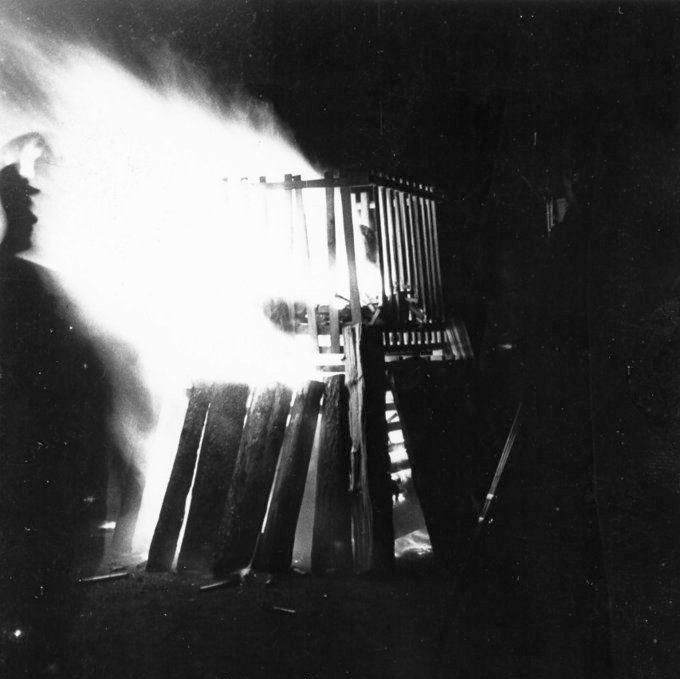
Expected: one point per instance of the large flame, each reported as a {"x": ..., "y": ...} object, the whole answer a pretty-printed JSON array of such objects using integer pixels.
[{"x": 136, "y": 221}]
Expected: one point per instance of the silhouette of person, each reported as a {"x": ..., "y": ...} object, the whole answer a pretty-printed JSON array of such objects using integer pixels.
[{"x": 54, "y": 401}]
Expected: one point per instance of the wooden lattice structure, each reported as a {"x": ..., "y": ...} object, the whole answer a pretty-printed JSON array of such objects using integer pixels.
[
  {"x": 244, "y": 453},
  {"x": 392, "y": 219}
]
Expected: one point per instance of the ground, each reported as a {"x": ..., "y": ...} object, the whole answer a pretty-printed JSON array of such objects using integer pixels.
[{"x": 352, "y": 626}]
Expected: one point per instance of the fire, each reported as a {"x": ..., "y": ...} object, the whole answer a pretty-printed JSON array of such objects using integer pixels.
[{"x": 167, "y": 272}]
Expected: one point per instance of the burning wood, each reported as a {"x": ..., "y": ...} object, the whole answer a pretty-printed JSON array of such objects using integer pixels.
[
  {"x": 214, "y": 471},
  {"x": 275, "y": 546}
]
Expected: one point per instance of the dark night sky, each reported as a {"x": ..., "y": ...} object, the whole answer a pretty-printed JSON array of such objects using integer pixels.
[{"x": 413, "y": 87}]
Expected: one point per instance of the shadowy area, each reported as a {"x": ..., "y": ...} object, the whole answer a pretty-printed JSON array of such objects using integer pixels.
[{"x": 56, "y": 446}]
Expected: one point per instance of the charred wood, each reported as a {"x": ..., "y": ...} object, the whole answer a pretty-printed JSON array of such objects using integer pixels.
[
  {"x": 275, "y": 546},
  {"x": 214, "y": 471}
]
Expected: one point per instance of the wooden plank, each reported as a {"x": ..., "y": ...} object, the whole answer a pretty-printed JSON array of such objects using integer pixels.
[
  {"x": 348, "y": 225},
  {"x": 375, "y": 224},
  {"x": 393, "y": 221},
  {"x": 415, "y": 221},
  {"x": 171, "y": 517},
  {"x": 370, "y": 482},
  {"x": 332, "y": 542},
  {"x": 437, "y": 261},
  {"x": 264, "y": 203},
  {"x": 252, "y": 479},
  {"x": 332, "y": 268},
  {"x": 406, "y": 240},
  {"x": 389, "y": 278},
  {"x": 356, "y": 182},
  {"x": 288, "y": 187},
  {"x": 214, "y": 471},
  {"x": 274, "y": 549},
  {"x": 427, "y": 262},
  {"x": 311, "y": 306},
  {"x": 435, "y": 315}
]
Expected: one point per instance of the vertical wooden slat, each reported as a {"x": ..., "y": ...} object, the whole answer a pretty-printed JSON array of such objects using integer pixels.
[
  {"x": 252, "y": 479},
  {"x": 415, "y": 221},
  {"x": 288, "y": 188},
  {"x": 275, "y": 545},
  {"x": 393, "y": 227},
  {"x": 389, "y": 279},
  {"x": 426, "y": 257},
  {"x": 215, "y": 468},
  {"x": 406, "y": 239},
  {"x": 311, "y": 305},
  {"x": 437, "y": 260},
  {"x": 370, "y": 484},
  {"x": 348, "y": 225},
  {"x": 432, "y": 258},
  {"x": 262, "y": 195},
  {"x": 171, "y": 517},
  {"x": 374, "y": 222},
  {"x": 331, "y": 239},
  {"x": 332, "y": 543}
]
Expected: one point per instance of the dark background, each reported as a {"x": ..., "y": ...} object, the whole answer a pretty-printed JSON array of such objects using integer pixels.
[{"x": 498, "y": 104}]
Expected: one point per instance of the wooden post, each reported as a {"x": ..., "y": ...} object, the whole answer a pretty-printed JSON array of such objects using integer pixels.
[
  {"x": 420, "y": 280},
  {"x": 348, "y": 226},
  {"x": 275, "y": 546},
  {"x": 372, "y": 501},
  {"x": 252, "y": 479},
  {"x": 215, "y": 467},
  {"x": 171, "y": 517},
  {"x": 311, "y": 305},
  {"x": 388, "y": 244},
  {"x": 332, "y": 542},
  {"x": 437, "y": 262},
  {"x": 330, "y": 235},
  {"x": 288, "y": 188},
  {"x": 375, "y": 223}
]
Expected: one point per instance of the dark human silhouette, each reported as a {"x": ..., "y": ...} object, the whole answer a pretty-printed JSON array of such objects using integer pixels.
[{"x": 54, "y": 438}]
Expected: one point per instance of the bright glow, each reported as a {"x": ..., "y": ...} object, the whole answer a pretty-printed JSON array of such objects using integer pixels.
[
  {"x": 416, "y": 543},
  {"x": 18, "y": 633},
  {"x": 158, "y": 252}
]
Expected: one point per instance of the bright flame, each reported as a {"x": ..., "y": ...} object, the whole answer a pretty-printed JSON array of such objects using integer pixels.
[{"x": 136, "y": 221}]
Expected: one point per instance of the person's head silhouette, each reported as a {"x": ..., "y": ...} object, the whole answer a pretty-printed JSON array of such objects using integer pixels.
[{"x": 15, "y": 197}]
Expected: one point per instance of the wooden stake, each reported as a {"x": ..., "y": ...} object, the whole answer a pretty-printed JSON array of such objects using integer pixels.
[
  {"x": 420, "y": 265},
  {"x": 288, "y": 186},
  {"x": 171, "y": 517},
  {"x": 275, "y": 547},
  {"x": 332, "y": 542},
  {"x": 348, "y": 224},
  {"x": 311, "y": 306},
  {"x": 330, "y": 235},
  {"x": 372, "y": 501},
  {"x": 213, "y": 475},
  {"x": 252, "y": 479}
]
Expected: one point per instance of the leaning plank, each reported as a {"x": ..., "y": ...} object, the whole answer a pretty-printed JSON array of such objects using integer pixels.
[
  {"x": 348, "y": 225},
  {"x": 371, "y": 483},
  {"x": 332, "y": 541},
  {"x": 251, "y": 483},
  {"x": 171, "y": 517},
  {"x": 213, "y": 475},
  {"x": 275, "y": 545}
]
